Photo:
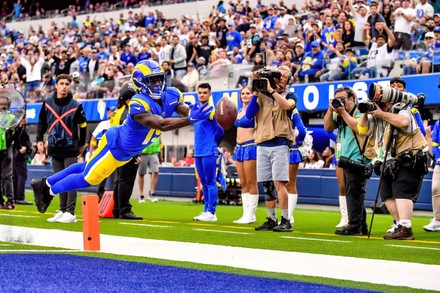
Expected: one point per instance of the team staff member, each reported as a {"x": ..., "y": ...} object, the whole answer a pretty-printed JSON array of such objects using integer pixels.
[
  {"x": 150, "y": 112},
  {"x": 273, "y": 134},
  {"x": 400, "y": 186},
  {"x": 344, "y": 117},
  {"x": 22, "y": 149},
  {"x": 150, "y": 160},
  {"x": 434, "y": 225},
  {"x": 207, "y": 136},
  {"x": 64, "y": 120},
  {"x": 245, "y": 160},
  {"x": 126, "y": 174}
]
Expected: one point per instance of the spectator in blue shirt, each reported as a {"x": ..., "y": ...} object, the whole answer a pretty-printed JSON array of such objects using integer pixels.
[
  {"x": 269, "y": 21},
  {"x": 233, "y": 38},
  {"x": 127, "y": 56},
  {"x": 313, "y": 64}
]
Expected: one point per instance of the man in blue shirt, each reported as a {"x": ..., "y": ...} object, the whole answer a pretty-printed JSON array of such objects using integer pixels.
[
  {"x": 233, "y": 38},
  {"x": 207, "y": 136},
  {"x": 127, "y": 56}
]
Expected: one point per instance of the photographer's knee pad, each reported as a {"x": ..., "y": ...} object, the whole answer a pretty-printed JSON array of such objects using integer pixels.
[{"x": 269, "y": 191}]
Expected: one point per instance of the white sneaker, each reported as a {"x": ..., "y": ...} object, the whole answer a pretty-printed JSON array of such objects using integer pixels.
[
  {"x": 393, "y": 228},
  {"x": 206, "y": 217},
  {"x": 67, "y": 218},
  {"x": 434, "y": 226},
  {"x": 153, "y": 198},
  {"x": 141, "y": 199},
  {"x": 55, "y": 217}
]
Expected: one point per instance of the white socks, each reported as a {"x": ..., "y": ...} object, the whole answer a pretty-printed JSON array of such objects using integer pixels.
[{"x": 292, "y": 200}]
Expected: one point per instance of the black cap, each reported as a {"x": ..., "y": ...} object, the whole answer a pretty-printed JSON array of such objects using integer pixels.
[{"x": 127, "y": 92}]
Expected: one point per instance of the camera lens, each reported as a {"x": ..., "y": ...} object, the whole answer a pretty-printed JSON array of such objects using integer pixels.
[
  {"x": 336, "y": 103},
  {"x": 366, "y": 107}
]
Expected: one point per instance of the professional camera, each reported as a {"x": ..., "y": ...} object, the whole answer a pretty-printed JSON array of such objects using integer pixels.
[
  {"x": 336, "y": 103},
  {"x": 377, "y": 93},
  {"x": 346, "y": 163},
  {"x": 260, "y": 85},
  {"x": 366, "y": 107}
]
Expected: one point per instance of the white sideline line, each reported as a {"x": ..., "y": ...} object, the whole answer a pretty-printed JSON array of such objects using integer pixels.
[
  {"x": 40, "y": 251},
  {"x": 376, "y": 271},
  {"x": 5, "y": 244},
  {"x": 19, "y": 216},
  {"x": 146, "y": 225},
  {"x": 222, "y": 231},
  {"x": 413, "y": 247},
  {"x": 317, "y": 239}
]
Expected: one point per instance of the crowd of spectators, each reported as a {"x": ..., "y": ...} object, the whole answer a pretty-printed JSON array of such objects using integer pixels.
[{"x": 319, "y": 41}]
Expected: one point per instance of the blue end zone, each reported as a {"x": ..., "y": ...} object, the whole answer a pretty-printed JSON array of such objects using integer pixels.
[{"x": 69, "y": 273}]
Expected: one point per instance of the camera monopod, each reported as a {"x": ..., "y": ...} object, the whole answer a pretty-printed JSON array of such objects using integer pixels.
[{"x": 382, "y": 171}]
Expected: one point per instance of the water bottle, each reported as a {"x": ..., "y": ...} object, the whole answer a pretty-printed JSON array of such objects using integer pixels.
[{"x": 306, "y": 78}]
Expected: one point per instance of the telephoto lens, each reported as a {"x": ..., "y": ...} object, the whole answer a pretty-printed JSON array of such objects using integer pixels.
[{"x": 366, "y": 107}]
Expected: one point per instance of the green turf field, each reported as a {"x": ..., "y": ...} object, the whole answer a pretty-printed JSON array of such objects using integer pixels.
[{"x": 313, "y": 233}]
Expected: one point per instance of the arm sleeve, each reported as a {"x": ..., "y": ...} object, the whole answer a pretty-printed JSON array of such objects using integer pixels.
[
  {"x": 42, "y": 123},
  {"x": 80, "y": 118},
  {"x": 298, "y": 123},
  {"x": 419, "y": 121},
  {"x": 435, "y": 141},
  {"x": 253, "y": 108}
]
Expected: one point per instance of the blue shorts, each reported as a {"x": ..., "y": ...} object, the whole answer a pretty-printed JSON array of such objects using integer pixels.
[
  {"x": 32, "y": 85},
  {"x": 245, "y": 151},
  {"x": 295, "y": 156}
]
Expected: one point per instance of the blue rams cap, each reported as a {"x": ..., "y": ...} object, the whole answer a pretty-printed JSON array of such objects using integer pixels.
[
  {"x": 113, "y": 108},
  {"x": 315, "y": 44},
  {"x": 437, "y": 29}
]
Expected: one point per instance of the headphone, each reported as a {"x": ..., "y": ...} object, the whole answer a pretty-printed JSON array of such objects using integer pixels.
[{"x": 290, "y": 78}]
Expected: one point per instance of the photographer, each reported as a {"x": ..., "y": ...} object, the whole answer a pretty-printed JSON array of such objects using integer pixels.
[
  {"x": 273, "y": 133},
  {"x": 343, "y": 114},
  {"x": 406, "y": 149}
]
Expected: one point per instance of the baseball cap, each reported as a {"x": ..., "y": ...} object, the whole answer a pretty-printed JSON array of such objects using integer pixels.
[
  {"x": 94, "y": 51},
  {"x": 127, "y": 92},
  {"x": 113, "y": 108},
  {"x": 231, "y": 23},
  {"x": 201, "y": 59},
  {"x": 437, "y": 29},
  {"x": 300, "y": 45},
  {"x": 253, "y": 25},
  {"x": 191, "y": 64},
  {"x": 429, "y": 35},
  {"x": 315, "y": 44},
  {"x": 75, "y": 74},
  {"x": 380, "y": 36},
  {"x": 437, "y": 14},
  {"x": 3, "y": 55}
]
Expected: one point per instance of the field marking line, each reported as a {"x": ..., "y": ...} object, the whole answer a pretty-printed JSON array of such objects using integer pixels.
[
  {"x": 222, "y": 231},
  {"x": 41, "y": 251},
  {"x": 202, "y": 224},
  {"x": 413, "y": 247},
  {"x": 165, "y": 222},
  {"x": 145, "y": 225},
  {"x": 17, "y": 216},
  {"x": 239, "y": 227},
  {"x": 317, "y": 239},
  {"x": 5, "y": 244}
]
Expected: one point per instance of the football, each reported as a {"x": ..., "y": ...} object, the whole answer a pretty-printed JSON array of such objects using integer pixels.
[{"x": 226, "y": 113}]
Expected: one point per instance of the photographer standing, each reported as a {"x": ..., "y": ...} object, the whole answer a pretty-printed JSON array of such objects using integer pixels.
[
  {"x": 343, "y": 114},
  {"x": 273, "y": 133},
  {"x": 406, "y": 163}
]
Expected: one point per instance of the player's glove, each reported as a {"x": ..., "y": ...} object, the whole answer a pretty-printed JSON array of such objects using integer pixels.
[{"x": 198, "y": 113}]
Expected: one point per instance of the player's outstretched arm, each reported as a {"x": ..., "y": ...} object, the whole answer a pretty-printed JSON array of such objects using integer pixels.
[{"x": 150, "y": 120}]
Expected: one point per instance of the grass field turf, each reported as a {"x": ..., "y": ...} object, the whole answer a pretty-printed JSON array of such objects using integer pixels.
[{"x": 313, "y": 234}]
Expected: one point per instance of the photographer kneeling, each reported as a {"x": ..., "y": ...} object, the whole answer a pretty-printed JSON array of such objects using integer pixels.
[
  {"x": 343, "y": 114},
  {"x": 269, "y": 105},
  {"x": 406, "y": 162}
]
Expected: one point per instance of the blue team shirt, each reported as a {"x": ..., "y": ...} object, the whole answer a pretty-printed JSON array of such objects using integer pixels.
[
  {"x": 328, "y": 35},
  {"x": 131, "y": 138},
  {"x": 128, "y": 58},
  {"x": 433, "y": 52},
  {"x": 207, "y": 135},
  {"x": 269, "y": 22},
  {"x": 233, "y": 40}
]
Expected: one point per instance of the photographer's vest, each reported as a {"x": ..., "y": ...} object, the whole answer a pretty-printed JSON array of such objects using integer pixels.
[
  {"x": 62, "y": 131},
  {"x": 272, "y": 120},
  {"x": 407, "y": 141}
]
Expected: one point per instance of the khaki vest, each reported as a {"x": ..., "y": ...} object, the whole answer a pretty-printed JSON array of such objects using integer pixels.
[
  {"x": 271, "y": 121},
  {"x": 413, "y": 141}
]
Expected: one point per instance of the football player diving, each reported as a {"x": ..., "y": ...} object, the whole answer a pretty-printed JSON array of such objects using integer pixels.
[{"x": 150, "y": 114}]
